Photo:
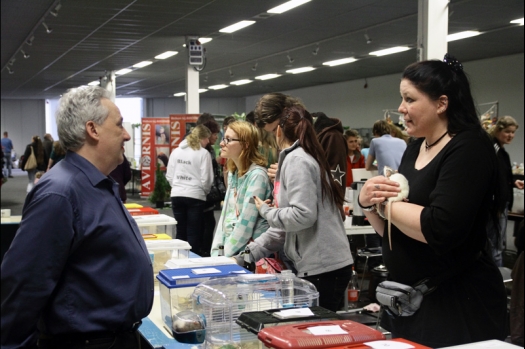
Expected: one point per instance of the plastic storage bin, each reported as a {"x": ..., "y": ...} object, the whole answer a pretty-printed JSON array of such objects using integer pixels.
[
  {"x": 157, "y": 224},
  {"x": 199, "y": 262},
  {"x": 176, "y": 286},
  {"x": 223, "y": 300},
  {"x": 161, "y": 251},
  {"x": 141, "y": 211}
]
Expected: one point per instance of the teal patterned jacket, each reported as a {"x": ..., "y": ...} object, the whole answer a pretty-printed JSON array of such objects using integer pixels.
[{"x": 240, "y": 221}]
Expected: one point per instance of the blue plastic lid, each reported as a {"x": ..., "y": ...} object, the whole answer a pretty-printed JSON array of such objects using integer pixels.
[{"x": 185, "y": 277}]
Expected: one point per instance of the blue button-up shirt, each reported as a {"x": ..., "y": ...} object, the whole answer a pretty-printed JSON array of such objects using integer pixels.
[{"x": 77, "y": 263}]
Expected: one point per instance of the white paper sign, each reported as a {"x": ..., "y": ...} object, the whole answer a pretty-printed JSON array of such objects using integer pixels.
[
  {"x": 326, "y": 330},
  {"x": 292, "y": 313},
  {"x": 180, "y": 277},
  {"x": 388, "y": 345},
  {"x": 206, "y": 271}
]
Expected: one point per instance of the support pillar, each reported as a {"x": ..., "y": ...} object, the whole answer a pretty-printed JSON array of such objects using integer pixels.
[
  {"x": 432, "y": 29},
  {"x": 192, "y": 91}
]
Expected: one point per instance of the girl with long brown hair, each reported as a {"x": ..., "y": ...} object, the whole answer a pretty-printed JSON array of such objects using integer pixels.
[{"x": 307, "y": 213}]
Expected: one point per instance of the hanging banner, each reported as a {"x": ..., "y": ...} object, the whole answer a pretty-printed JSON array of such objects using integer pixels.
[
  {"x": 155, "y": 148},
  {"x": 180, "y": 126}
]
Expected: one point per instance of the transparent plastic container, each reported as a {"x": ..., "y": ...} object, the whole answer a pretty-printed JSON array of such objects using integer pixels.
[
  {"x": 161, "y": 251},
  {"x": 176, "y": 286},
  {"x": 157, "y": 224},
  {"x": 223, "y": 300}
]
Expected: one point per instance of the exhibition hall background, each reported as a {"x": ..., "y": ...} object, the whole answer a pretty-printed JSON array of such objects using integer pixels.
[{"x": 495, "y": 79}]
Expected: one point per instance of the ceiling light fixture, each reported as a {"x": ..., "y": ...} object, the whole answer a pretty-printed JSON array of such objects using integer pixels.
[
  {"x": 206, "y": 77},
  {"x": 462, "y": 35},
  {"x": 218, "y": 87},
  {"x": 12, "y": 61},
  {"x": 300, "y": 70},
  {"x": 290, "y": 59},
  {"x": 287, "y": 6},
  {"x": 123, "y": 71},
  {"x": 316, "y": 50},
  {"x": 241, "y": 82},
  {"x": 267, "y": 76},
  {"x": 55, "y": 11},
  {"x": 30, "y": 41},
  {"x": 179, "y": 94},
  {"x": 231, "y": 73},
  {"x": 389, "y": 51},
  {"x": 368, "y": 40},
  {"x": 202, "y": 90},
  {"x": 517, "y": 21},
  {"x": 11, "y": 71},
  {"x": 48, "y": 30},
  {"x": 254, "y": 68},
  {"x": 94, "y": 83},
  {"x": 166, "y": 54},
  {"x": 237, "y": 26},
  {"x": 142, "y": 64},
  {"x": 340, "y": 61},
  {"x": 26, "y": 56}
]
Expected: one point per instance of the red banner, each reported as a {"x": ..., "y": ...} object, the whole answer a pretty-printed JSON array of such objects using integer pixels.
[
  {"x": 155, "y": 148},
  {"x": 180, "y": 125},
  {"x": 159, "y": 137}
]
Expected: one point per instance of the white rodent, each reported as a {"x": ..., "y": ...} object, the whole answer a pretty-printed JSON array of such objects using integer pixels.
[{"x": 401, "y": 196}]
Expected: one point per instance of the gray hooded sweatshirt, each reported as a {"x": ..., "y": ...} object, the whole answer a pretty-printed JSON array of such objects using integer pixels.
[{"x": 311, "y": 228}]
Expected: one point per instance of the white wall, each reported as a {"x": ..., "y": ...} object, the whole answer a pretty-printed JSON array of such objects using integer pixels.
[
  {"x": 23, "y": 119},
  {"x": 492, "y": 79}
]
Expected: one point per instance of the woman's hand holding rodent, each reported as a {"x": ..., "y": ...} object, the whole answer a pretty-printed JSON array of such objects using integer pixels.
[{"x": 378, "y": 189}]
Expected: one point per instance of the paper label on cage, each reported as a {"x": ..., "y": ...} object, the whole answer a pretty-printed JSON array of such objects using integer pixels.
[
  {"x": 206, "y": 271},
  {"x": 238, "y": 272},
  {"x": 292, "y": 313},
  {"x": 180, "y": 277},
  {"x": 326, "y": 330},
  {"x": 388, "y": 345}
]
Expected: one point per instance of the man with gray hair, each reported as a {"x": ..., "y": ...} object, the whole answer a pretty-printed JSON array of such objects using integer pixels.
[{"x": 78, "y": 273}]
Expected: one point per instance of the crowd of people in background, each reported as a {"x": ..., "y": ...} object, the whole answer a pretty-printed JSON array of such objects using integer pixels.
[{"x": 284, "y": 171}]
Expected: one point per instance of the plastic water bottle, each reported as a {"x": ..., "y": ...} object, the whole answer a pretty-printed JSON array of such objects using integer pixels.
[
  {"x": 287, "y": 288},
  {"x": 353, "y": 288}
]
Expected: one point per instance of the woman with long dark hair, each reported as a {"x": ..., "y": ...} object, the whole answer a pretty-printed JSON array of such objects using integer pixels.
[
  {"x": 307, "y": 215},
  {"x": 440, "y": 232}
]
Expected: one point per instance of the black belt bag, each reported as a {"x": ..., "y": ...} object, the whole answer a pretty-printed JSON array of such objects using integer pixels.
[{"x": 404, "y": 300}]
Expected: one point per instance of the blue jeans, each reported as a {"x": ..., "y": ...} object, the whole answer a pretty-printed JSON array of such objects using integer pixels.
[
  {"x": 8, "y": 164},
  {"x": 498, "y": 237},
  {"x": 190, "y": 223}
]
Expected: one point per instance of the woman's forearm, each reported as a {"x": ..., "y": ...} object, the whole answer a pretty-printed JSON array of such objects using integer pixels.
[
  {"x": 406, "y": 217},
  {"x": 376, "y": 222}
]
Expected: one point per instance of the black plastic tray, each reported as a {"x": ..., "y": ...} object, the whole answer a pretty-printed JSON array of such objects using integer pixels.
[{"x": 254, "y": 321}]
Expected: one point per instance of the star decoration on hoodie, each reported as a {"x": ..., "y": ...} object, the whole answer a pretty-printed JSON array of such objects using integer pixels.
[{"x": 338, "y": 175}]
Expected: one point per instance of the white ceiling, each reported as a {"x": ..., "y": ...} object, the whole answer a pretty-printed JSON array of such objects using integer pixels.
[{"x": 91, "y": 37}]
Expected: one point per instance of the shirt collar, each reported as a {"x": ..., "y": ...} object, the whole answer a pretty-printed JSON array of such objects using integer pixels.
[{"x": 92, "y": 173}]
